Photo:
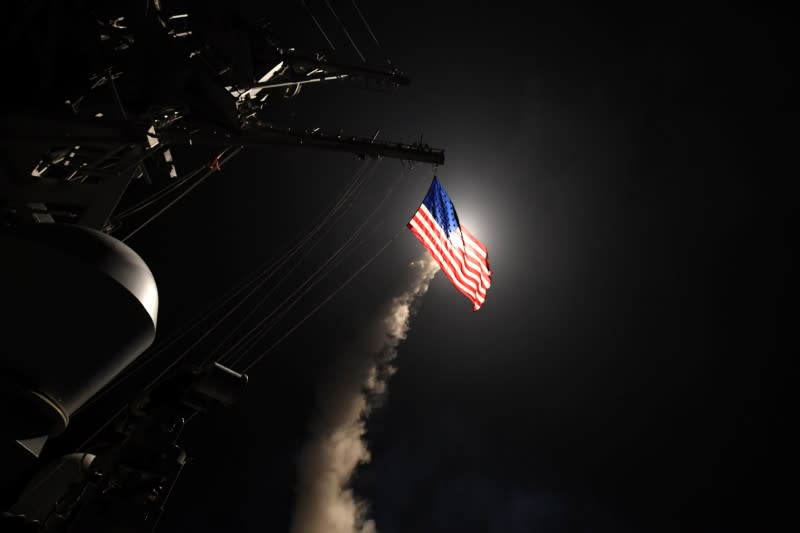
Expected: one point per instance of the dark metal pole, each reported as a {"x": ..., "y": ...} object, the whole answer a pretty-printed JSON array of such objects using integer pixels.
[{"x": 339, "y": 143}]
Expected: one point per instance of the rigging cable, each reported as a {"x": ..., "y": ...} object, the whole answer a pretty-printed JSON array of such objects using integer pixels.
[
  {"x": 357, "y": 182},
  {"x": 153, "y": 354},
  {"x": 366, "y": 25},
  {"x": 337, "y": 205},
  {"x": 266, "y": 324},
  {"x": 189, "y": 189},
  {"x": 325, "y": 35},
  {"x": 265, "y": 272},
  {"x": 274, "y": 287},
  {"x": 260, "y": 356},
  {"x": 272, "y": 290},
  {"x": 344, "y": 29},
  {"x": 372, "y": 34},
  {"x": 164, "y": 191},
  {"x": 288, "y": 303},
  {"x": 317, "y": 276},
  {"x": 257, "y": 338},
  {"x": 188, "y": 350},
  {"x": 321, "y": 304}
]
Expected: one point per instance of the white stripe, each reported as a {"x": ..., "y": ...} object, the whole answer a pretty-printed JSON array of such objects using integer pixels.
[
  {"x": 479, "y": 259},
  {"x": 477, "y": 253},
  {"x": 461, "y": 258},
  {"x": 479, "y": 266},
  {"x": 468, "y": 278},
  {"x": 438, "y": 256},
  {"x": 451, "y": 263},
  {"x": 475, "y": 245}
]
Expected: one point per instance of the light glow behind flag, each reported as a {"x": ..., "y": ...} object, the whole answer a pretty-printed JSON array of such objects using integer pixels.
[{"x": 461, "y": 256}]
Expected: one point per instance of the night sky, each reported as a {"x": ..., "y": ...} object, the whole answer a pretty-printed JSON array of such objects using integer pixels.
[{"x": 624, "y": 373}]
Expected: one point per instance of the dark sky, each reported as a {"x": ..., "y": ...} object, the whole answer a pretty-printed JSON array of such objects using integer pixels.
[{"x": 621, "y": 167}]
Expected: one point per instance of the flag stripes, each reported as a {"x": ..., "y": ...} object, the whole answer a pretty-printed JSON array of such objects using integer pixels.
[{"x": 460, "y": 255}]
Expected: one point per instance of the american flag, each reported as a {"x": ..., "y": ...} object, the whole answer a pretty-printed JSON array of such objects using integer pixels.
[{"x": 462, "y": 257}]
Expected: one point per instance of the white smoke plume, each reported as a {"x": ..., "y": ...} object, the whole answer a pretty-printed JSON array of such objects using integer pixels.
[{"x": 325, "y": 502}]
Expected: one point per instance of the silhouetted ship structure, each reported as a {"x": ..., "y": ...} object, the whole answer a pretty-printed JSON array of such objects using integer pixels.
[{"x": 98, "y": 95}]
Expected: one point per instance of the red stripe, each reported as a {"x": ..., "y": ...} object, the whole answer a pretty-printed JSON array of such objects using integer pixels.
[
  {"x": 445, "y": 262},
  {"x": 480, "y": 264},
  {"x": 438, "y": 237},
  {"x": 440, "y": 258},
  {"x": 467, "y": 268},
  {"x": 476, "y": 241},
  {"x": 445, "y": 268},
  {"x": 443, "y": 257},
  {"x": 475, "y": 251},
  {"x": 456, "y": 253},
  {"x": 478, "y": 251},
  {"x": 476, "y": 254},
  {"x": 483, "y": 262},
  {"x": 469, "y": 249}
]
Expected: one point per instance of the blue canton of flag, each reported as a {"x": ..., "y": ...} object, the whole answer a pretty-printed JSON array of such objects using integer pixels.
[{"x": 461, "y": 256}]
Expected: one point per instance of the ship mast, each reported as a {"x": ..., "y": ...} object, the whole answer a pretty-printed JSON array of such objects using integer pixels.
[{"x": 78, "y": 163}]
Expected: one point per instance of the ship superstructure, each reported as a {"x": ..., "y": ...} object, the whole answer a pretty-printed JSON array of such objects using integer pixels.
[{"x": 105, "y": 97}]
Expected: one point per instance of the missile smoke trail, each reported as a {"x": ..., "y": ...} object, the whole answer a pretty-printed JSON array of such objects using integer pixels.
[{"x": 325, "y": 501}]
